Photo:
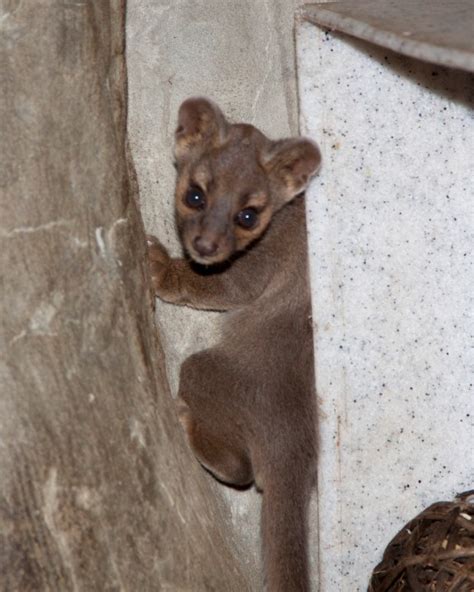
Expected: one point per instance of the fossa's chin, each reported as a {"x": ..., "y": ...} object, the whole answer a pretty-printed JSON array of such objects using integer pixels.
[{"x": 211, "y": 260}]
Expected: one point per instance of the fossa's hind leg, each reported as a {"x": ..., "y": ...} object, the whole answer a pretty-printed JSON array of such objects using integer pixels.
[{"x": 209, "y": 419}]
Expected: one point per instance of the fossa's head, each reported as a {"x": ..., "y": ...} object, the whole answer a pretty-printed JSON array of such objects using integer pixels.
[{"x": 231, "y": 180}]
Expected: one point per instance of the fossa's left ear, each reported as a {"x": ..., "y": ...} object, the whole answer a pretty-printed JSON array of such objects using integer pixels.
[
  {"x": 201, "y": 125},
  {"x": 290, "y": 164}
]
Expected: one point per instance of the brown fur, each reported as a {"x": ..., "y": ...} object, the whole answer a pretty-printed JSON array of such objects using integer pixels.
[{"x": 248, "y": 405}]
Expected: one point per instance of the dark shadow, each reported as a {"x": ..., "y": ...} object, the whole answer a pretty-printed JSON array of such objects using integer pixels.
[{"x": 226, "y": 483}]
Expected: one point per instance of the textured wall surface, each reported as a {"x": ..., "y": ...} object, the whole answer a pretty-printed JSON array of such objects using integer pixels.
[
  {"x": 241, "y": 54},
  {"x": 390, "y": 221},
  {"x": 98, "y": 490}
]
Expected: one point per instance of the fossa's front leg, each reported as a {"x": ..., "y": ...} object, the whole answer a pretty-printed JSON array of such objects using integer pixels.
[{"x": 176, "y": 281}]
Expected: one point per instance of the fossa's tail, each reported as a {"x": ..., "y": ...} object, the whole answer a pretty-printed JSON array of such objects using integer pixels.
[{"x": 285, "y": 535}]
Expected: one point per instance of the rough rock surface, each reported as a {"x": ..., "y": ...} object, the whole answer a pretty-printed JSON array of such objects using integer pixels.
[{"x": 98, "y": 490}]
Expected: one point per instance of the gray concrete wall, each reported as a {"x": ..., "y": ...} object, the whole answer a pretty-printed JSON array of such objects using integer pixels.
[
  {"x": 241, "y": 55},
  {"x": 390, "y": 223}
]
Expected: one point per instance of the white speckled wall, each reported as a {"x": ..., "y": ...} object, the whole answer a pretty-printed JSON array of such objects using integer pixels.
[{"x": 391, "y": 227}]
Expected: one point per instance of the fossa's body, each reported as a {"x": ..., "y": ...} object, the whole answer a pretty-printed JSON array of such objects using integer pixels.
[{"x": 248, "y": 405}]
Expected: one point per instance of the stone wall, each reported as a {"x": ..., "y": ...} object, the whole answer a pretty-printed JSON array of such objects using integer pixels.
[{"x": 98, "y": 490}]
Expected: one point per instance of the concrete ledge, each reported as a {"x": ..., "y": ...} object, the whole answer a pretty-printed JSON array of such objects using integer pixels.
[{"x": 435, "y": 31}]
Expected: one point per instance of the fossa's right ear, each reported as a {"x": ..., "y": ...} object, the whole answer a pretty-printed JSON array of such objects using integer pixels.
[
  {"x": 201, "y": 125},
  {"x": 290, "y": 164}
]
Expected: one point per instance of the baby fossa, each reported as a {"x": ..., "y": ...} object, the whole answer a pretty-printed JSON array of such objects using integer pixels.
[{"x": 248, "y": 405}]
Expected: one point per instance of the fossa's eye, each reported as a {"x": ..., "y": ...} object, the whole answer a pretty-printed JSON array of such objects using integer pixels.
[
  {"x": 247, "y": 218},
  {"x": 195, "y": 198}
]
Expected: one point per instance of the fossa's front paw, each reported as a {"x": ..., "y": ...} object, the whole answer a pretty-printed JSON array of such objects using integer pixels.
[{"x": 159, "y": 262}]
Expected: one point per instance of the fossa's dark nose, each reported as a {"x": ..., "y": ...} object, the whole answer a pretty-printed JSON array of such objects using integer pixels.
[{"x": 205, "y": 247}]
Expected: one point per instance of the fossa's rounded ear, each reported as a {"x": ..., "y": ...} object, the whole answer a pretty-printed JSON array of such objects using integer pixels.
[
  {"x": 201, "y": 125},
  {"x": 290, "y": 164}
]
